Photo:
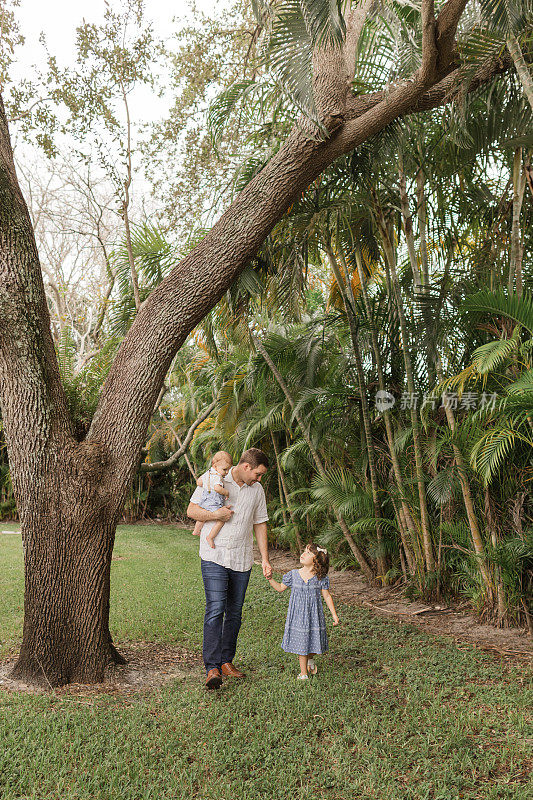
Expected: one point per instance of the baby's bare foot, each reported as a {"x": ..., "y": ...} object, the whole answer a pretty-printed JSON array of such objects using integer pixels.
[{"x": 210, "y": 542}]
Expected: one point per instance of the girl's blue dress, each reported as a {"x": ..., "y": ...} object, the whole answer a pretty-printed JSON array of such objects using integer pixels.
[{"x": 305, "y": 629}]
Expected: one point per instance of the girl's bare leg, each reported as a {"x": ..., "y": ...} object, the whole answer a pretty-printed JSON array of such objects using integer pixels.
[
  {"x": 198, "y": 529},
  {"x": 311, "y": 666},
  {"x": 303, "y": 665}
]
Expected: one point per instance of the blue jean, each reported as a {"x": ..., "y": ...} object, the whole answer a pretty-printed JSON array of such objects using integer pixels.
[{"x": 224, "y": 597}]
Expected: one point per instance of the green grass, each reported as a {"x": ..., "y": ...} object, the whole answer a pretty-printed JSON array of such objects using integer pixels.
[{"x": 392, "y": 714}]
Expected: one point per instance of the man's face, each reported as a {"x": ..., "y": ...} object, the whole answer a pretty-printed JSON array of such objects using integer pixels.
[{"x": 251, "y": 474}]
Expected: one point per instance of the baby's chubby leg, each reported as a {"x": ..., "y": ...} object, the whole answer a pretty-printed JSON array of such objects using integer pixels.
[{"x": 213, "y": 533}]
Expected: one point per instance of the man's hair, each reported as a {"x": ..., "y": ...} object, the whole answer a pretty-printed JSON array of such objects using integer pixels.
[{"x": 254, "y": 457}]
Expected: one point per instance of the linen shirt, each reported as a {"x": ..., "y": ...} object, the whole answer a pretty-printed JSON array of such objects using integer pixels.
[{"x": 234, "y": 543}]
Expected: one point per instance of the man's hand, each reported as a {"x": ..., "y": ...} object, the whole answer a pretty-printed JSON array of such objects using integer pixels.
[
  {"x": 225, "y": 513},
  {"x": 267, "y": 569}
]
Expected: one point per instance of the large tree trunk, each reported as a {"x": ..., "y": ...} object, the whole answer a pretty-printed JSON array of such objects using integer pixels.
[
  {"x": 66, "y": 492},
  {"x": 68, "y": 510},
  {"x": 67, "y": 560}
]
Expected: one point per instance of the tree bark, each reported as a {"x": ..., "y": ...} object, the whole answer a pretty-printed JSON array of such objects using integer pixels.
[
  {"x": 430, "y": 323},
  {"x": 67, "y": 505},
  {"x": 517, "y": 248},
  {"x": 521, "y": 66},
  {"x": 67, "y": 558}
]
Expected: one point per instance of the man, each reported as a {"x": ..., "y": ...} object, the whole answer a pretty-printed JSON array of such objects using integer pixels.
[{"x": 226, "y": 568}]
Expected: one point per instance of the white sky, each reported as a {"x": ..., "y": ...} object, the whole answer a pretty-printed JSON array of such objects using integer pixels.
[{"x": 58, "y": 20}]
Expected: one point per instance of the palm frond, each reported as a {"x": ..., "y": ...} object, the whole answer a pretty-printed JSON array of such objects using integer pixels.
[{"x": 499, "y": 303}]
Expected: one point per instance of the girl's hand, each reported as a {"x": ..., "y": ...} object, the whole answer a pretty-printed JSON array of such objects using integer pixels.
[{"x": 335, "y": 622}]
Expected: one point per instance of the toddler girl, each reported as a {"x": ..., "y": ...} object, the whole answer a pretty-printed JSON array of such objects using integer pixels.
[
  {"x": 214, "y": 495},
  {"x": 305, "y": 629}
]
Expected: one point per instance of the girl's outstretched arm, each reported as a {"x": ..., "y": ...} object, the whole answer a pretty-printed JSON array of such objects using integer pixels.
[
  {"x": 279, "y": 587},
  {"x": 329, "y": 602}
]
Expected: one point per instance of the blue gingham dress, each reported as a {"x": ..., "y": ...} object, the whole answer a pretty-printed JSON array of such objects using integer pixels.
[{"x": 305, "y": 629}]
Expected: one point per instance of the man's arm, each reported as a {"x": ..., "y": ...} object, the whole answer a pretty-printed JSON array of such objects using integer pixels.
[
  {"x": 260, "y": 530},
  {"x": 200, "y": 514}
]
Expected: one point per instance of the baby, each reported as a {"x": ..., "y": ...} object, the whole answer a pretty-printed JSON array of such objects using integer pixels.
[{"x": 214, "y": 495}]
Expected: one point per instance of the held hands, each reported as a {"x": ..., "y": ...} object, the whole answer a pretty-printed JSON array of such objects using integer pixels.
[{"x": 267, "y": 570}]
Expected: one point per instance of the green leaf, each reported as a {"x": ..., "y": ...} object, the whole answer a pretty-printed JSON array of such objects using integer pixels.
[
  {"x": 500, "y": 303},
  {"x": 487, "y": 357}
]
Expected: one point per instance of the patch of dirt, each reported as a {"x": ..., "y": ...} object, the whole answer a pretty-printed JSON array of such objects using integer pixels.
[
  {"x": 455, "y": 620},
  {"x": 149, "y": 667}
]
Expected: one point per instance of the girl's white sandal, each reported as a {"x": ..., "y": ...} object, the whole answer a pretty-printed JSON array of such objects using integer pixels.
[{"x": 302, "y": 677}]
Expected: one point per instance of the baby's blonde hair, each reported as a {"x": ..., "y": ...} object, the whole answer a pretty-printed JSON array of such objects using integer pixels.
[{"x": 221, "y": 455}]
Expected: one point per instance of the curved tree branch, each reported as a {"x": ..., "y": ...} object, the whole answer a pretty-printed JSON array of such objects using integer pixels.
[
  {"x": 445, "y": 91},
  {"x": 428, "y": 67},
  {"x": 446, "y": 30},
  {"x": 355, "y": 22},
  {"x": 175, "y": 457}
]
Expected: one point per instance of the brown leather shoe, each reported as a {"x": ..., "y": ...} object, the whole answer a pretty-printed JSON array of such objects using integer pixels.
[
  {"x": 231, "y": 671},
  {"x": 214, "y": 679}
]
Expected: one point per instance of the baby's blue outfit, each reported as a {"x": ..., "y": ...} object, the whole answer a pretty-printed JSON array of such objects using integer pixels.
[
  {"x": 305, "y": 629},
  {"x": 212, "y": 501}
]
